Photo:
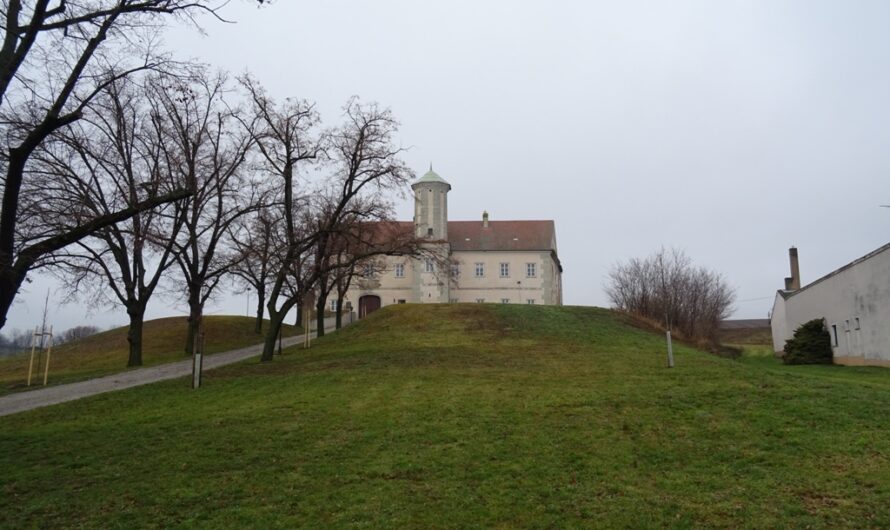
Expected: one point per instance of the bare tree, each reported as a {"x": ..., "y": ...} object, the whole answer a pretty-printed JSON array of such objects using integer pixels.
[
  {"x": 286, "y": 137},
  {"x": 364, "y": 163},
  {"x": 205, "y": 148},
  {"x": 254, "y": 243},
  {"x": 358, "y": 249},
  {"x": 76, "y": 333},
  {"x": 113, "y": 158},
  {"x": 56, "y": 56},
  {"x": 667, "y": 287}
]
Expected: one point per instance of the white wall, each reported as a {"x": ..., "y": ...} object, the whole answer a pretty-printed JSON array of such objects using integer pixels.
[
  {"x": 861, "y": 291},
  {"x": 779, "y": 324},
  {"x": 517, "y": 287},
  {"x": 422, "y": 287}
]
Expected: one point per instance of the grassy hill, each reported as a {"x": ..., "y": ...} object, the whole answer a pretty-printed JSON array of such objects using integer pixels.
[
  {"x": 106, "y": 353},
  {"x": 461, "y": 416}
]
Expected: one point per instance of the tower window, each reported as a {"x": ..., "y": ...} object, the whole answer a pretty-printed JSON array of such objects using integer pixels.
[
  {"x": 400, "y": 270},
  {"x": 429, "y": 232},
  {"x": 430, "y": 267}
]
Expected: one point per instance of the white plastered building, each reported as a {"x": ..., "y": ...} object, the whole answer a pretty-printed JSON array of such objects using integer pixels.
[
  {"x": 853, "y": 301},
  {"x": 510, "y": 262}
]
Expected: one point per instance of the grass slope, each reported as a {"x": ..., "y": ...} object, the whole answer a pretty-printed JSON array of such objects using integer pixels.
[
  {"x": 106, "y": 353},
  {"x": 462, "y": 416}
]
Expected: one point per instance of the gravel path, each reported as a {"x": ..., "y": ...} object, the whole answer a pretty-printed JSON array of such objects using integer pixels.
[{"x": 43, "y": 397}]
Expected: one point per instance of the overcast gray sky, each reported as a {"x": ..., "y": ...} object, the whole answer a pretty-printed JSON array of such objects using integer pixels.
[{"x": 729, "y": 129}]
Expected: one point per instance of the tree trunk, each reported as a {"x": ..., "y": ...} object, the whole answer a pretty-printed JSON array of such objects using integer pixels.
[
  {"x": 338, "y": 318},
  {"x": 194, "y": 320},
  {"x": 260, "y": 311},
  {"x": 276, "y": 319},
  {"x": 319, "y": 314},
  {"x": 134, "y": 334},
  {"x": 299, "y": 322},
  {"x": 10, "y": 280}
]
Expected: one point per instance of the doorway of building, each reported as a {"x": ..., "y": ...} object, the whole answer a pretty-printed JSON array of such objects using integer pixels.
[{"x": 368, "y": 304}]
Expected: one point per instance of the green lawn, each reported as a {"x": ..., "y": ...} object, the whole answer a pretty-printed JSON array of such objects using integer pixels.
[
  {"x": 466, "y": 416},
  {"x": 107, "y": 352}
]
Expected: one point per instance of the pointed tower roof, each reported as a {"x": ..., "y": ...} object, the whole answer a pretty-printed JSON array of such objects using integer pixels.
[{"x": 431, "y": 176}]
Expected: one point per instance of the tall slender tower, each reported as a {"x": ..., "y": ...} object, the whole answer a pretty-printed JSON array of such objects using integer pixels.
[
  {"x": 431, "y": 206},
  {"x": 431, "y": 282}
]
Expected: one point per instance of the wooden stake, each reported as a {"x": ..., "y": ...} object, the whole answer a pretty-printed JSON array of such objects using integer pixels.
[
  {"x": 49, "y": 350},
  {"x": 31, "y": 363}
]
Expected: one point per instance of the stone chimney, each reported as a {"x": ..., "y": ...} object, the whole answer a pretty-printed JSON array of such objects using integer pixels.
[
  {"x": 793, "y": 283},
  {"x": 485, "y": 219}
]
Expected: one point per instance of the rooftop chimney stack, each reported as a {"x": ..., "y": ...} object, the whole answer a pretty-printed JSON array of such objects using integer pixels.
[
  {"x": 793, "y": 283},
  {"x": 485, "y": 219}
]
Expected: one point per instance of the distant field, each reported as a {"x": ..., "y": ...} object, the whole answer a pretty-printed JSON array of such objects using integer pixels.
[
  {"x": 107, "y": 352},
  {"x": 466, "y": 416}
]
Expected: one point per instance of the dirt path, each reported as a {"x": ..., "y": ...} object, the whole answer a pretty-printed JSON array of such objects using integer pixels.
[{"x": 43, "y": 397}]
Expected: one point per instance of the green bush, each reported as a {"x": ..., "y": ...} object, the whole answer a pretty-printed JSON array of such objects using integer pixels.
[{"x": 811, "y": 344}]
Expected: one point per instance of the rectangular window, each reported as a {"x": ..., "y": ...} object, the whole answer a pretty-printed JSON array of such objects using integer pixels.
[
  {"x": 333, "y": 305},
  {"x": 455, "y": 270},
  {"x": 505, "y": 300},
  {"x": 531, "y": 270},
  {"x": 480, "y": 300},
  {"x": 480, "y": 270},
  {"x": 368, "y": 271},
  {"x": 400, "y": 270},
  {"x": 834, "y": 334},
  {"x": 401, "y": 301},
  {"x": 429, "y": 266},
  {"x": 530, "y": 301},
  {"x": 505, "y": 270},
  {"x": 856, "y": 320}
]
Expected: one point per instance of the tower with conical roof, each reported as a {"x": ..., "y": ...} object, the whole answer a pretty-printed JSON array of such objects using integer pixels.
[
  {"x": 431, "y": 273},
  {"x": 431, "y": 206}
]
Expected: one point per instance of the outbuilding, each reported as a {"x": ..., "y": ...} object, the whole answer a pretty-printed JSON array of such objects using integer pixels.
[{"x": 853, "y": 301}]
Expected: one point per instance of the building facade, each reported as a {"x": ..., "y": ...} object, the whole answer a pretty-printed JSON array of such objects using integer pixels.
[
  {"x": 853, "y": 301},
  {"x": 510, "y": 262}
]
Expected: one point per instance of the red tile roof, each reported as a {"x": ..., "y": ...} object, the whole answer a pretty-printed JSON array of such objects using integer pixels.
[{"x": 502, "y": 235}]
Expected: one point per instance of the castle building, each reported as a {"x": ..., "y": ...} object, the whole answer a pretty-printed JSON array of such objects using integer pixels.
[{"x": 503, "y": 262}]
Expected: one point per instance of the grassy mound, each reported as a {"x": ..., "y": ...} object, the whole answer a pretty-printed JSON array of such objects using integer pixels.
[
  {"x": 106, "y": 353},
  {"x": 460, "y": 416}
]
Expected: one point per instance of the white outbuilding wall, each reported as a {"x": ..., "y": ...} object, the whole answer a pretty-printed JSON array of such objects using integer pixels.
[{"x": 854, "y": 302}]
